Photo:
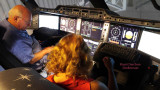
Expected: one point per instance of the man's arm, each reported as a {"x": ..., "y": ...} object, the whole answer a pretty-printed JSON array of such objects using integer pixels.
[
  {"x": 25, "y": 52},
  {"x": 39, "y": 55}
]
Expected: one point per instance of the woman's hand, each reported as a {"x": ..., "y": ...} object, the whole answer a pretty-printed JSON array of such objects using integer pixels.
[{"x": 108, "y": 62}]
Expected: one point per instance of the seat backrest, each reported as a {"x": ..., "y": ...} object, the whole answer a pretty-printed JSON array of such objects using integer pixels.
[
  {"x": 7, "y": 59},
  {"x": 2, "y": 31}
]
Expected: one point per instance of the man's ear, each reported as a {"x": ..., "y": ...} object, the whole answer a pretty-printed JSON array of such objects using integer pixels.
[{"x": 16, "y": 18}]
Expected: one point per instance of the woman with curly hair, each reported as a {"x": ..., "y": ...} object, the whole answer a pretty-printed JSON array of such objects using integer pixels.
[{"x": 71, "y": 64}]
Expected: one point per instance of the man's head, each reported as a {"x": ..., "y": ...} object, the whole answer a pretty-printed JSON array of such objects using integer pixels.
[{"x": 20, "y": 17}]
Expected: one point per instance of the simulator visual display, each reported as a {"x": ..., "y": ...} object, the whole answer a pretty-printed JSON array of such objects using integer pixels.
[
  {"x": 123, "y": 35},
  {"x": 91, "y": 29},
  {"x": 49, "y": 21},
  {"x": 68, "y": 24},
  {"x": 149, "y": 43}
]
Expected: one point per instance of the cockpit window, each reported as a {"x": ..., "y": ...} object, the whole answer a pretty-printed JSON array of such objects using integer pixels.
[
  {"x": 143, "y": 9},
  {"x": 55, "y": 3}
]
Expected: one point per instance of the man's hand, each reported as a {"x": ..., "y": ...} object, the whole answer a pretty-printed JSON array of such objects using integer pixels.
[{"x": 39, "y": 55}]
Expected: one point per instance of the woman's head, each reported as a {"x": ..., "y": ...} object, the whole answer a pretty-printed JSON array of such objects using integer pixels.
[{"x": 70, "y": 56}]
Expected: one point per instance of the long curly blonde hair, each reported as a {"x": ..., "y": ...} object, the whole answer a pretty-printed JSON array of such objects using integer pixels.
[{"x": 71, "y": 56}]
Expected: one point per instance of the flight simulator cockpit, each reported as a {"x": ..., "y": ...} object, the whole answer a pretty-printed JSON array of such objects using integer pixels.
[{"x": 132, "y": 43}]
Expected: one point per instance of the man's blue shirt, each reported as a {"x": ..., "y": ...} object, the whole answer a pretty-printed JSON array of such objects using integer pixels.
[{"x": 20, "y": 44}]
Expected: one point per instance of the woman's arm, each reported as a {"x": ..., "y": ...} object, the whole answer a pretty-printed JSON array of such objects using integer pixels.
[
  {"x": 112, "y": 83},
  {"x": 97, "y": 85}
]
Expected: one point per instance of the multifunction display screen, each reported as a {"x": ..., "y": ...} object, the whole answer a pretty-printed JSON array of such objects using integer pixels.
[
  {"x": 68, "y": 24},
  {"x": 123, "y": 35},
  {"x": 91, "y": 29}
]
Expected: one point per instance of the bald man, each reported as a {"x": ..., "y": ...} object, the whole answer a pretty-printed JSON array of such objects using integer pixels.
[{"x": 16, "y": 39}]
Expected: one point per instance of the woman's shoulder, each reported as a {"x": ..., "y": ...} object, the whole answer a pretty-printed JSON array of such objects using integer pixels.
[
  {"x": 50, "y": 78},
  {"x": 97, "y": 85}
]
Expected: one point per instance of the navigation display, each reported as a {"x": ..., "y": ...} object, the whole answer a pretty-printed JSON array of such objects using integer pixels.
[
  {"x": 123, "y": 35},
  {"x": 91, "y": 29},
  {"x": 68, "y": 24},
  {"x": 49, "y": 21}
]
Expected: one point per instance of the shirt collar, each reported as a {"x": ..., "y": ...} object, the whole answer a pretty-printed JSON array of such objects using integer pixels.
[
  {"x": 9, "y": 24},
  {"x": 13, "y": 28},
  {"x": 21, "y": 32}
]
